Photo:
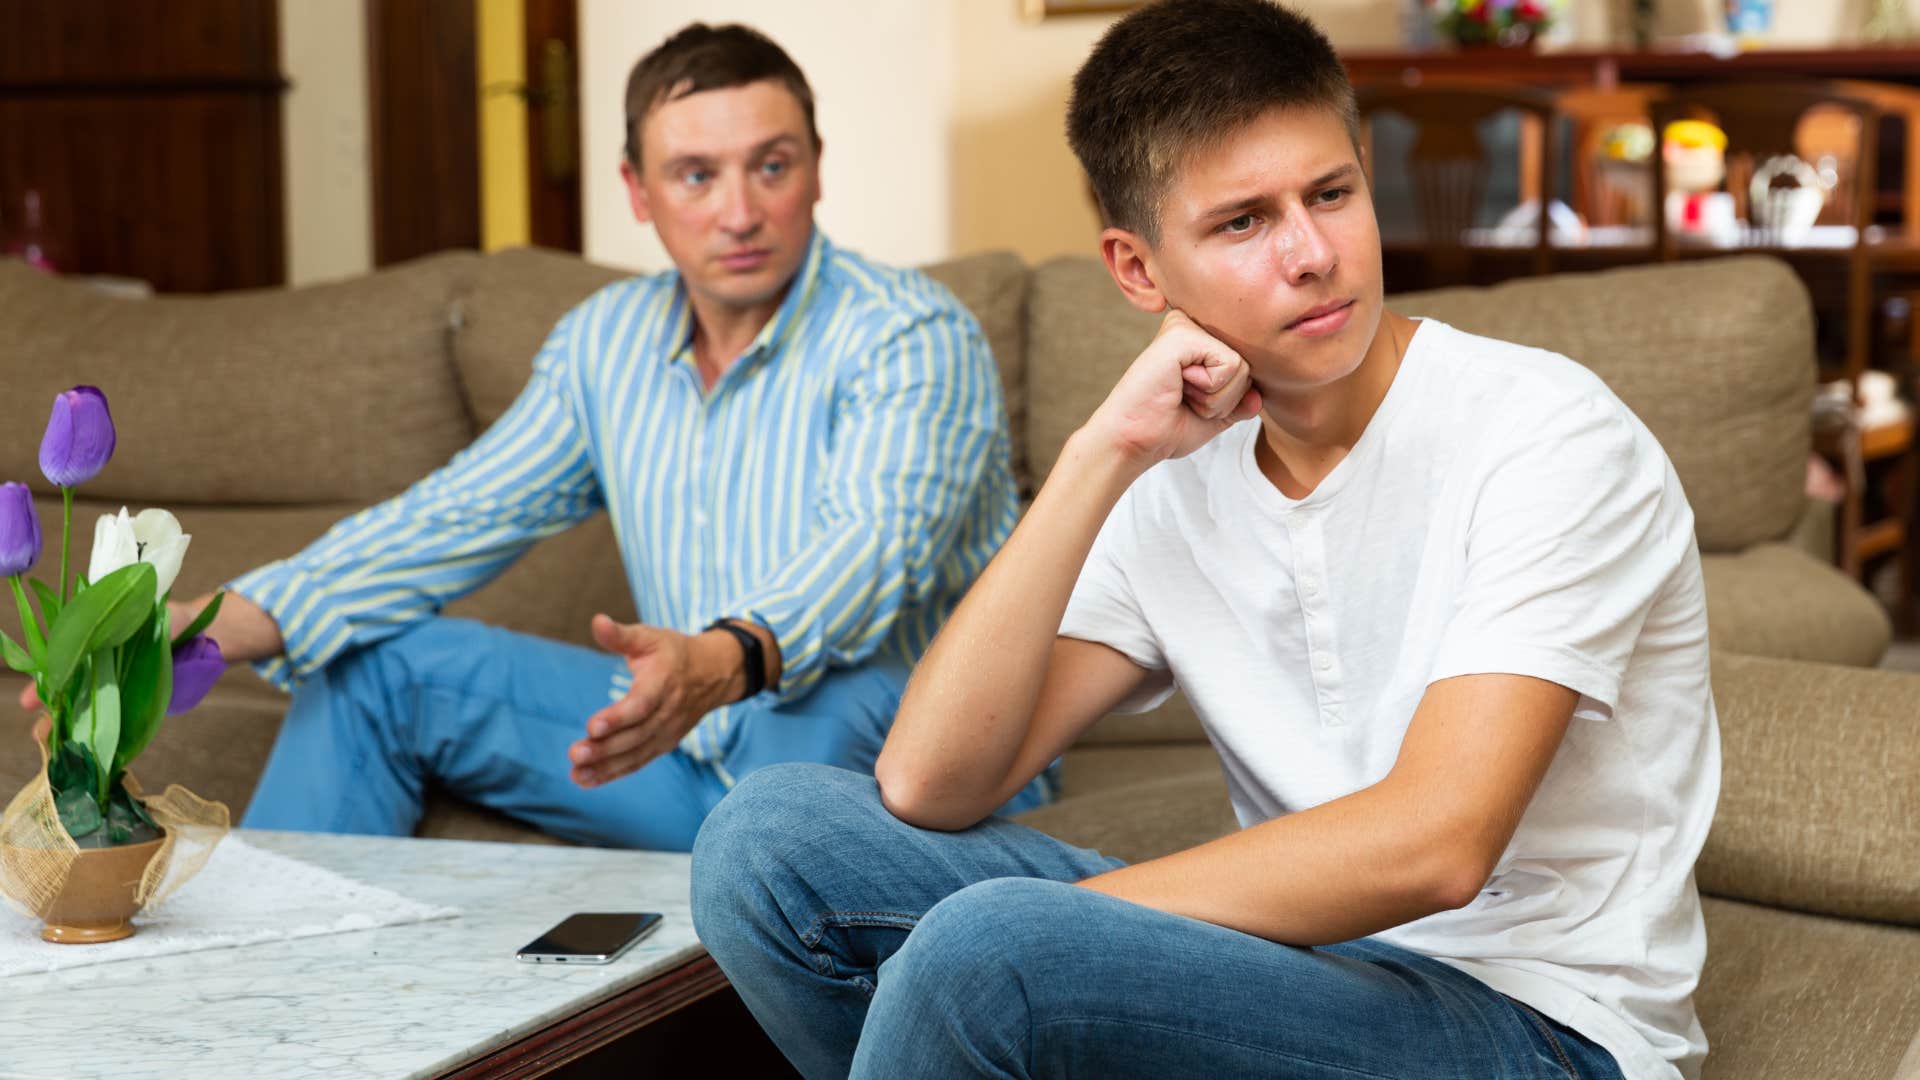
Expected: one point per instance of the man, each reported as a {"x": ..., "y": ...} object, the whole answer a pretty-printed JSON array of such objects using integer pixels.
[
  {"x": 1439, "y": 608},
  {"x": 805, "y": 459}
]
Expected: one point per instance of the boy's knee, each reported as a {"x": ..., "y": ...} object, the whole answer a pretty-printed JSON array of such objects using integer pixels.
[{"x": 767, "y": 817}]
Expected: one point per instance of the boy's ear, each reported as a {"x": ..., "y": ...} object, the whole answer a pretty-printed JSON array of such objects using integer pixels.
[{"x": 1129, "y": 259}]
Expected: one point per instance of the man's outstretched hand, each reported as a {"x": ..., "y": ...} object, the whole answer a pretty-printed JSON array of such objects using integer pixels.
[{"x": 677, "y": 679}]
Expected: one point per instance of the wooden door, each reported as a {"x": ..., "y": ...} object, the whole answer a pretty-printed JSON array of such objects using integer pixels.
[{"x": 151, "y": 133}]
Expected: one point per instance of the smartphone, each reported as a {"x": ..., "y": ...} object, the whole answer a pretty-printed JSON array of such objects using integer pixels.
[{"x": 590, "y": 938}]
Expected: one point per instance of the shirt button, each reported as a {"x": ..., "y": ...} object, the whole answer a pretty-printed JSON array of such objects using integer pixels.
[
  {"x": 699, "y": 517},
  {"x": 1333, "y": 716},
  {"x": 1323, "y": 661},
  {"x": 1311, "y": 584}
]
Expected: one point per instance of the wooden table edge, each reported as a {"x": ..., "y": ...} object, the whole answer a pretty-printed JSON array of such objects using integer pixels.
[{"x": 572, "y": 1037}]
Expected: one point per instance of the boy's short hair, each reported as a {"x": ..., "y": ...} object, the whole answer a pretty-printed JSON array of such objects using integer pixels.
[
  {"x": 701, "y": 57},
  {"x": 1181, "y": 75}
]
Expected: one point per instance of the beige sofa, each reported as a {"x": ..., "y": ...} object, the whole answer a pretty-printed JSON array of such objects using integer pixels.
[{"x": 261, "y": 418}]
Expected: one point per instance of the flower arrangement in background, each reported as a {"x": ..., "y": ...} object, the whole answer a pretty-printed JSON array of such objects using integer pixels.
[
  {"x": 1510, "y": 23},
  {"x": 99, "y": 649}
]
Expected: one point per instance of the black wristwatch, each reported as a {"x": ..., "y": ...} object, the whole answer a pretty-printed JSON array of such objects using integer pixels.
[{"x": 756, "y": 658}]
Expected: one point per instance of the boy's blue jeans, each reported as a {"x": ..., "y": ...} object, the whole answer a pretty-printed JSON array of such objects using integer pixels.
[
  {"x": 868, "y": 947},
  {"x": 488, "y": 714}
]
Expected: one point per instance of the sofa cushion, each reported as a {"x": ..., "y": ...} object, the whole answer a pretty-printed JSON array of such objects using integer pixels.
[
  {"x": 1717, "y": 360},
  {"x": 1714, "y": 356},
  {"x": 1081, "y": 335},
  {"x": 512, "y": 301},
  {"x": 1786, "y": 996},
  {"x": 216, "y": 751},
  {"x": 278, "y": 396},
  {"x": 994, "y": 287},
  {"x": 1776, "y": 600},
  {"x": 1820, "y": 789},
  {"x": 1142, "y": 820}
]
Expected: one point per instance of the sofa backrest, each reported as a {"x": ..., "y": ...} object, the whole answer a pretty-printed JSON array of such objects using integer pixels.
[
  {"x": 1715, "y": 356},
  {"x": 324, "y": 394}
]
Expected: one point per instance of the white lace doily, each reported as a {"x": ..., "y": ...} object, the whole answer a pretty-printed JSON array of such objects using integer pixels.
[{"x": 244, "y": 895}]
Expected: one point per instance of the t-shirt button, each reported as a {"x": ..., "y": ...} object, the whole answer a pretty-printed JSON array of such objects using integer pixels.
[
  {"x": 1323, "y": 661},
  {"x": 699, "y": 517},
  {"x": 1333, "y": 717},
  {"x": 1311, "y": 585}
]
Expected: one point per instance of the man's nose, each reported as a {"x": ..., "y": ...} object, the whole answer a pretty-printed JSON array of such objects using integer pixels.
[
  {"x": 1304, "y": 250},
  {"x": 740, "y": 209}
]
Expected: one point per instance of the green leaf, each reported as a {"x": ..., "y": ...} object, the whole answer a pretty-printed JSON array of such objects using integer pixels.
[
  {"x": 29, "y": 626},
  {"x": 79, "y": 814},
  {"x": 101, "y": 617},
  {"x": 67, "y": 770},
  {"x": 49, "y": 601},
  {"x": 122, "y": 797},
  {"x": 103, "y": 721},
  {"x": 16, "y": 657},
  {"x": 201, "y": 621},
  {"x": 146, "y": 690}
]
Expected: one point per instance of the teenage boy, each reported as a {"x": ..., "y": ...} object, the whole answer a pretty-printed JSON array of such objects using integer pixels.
[
  {"x": 805, "y": 458},
  {"x": 1439, "y": 607}
]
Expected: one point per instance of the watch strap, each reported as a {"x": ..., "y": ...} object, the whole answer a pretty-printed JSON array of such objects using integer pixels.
[{"x": 756, "y": 656}]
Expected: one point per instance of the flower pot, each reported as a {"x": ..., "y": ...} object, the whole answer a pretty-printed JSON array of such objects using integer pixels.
[{"x": 98, "y": 901}]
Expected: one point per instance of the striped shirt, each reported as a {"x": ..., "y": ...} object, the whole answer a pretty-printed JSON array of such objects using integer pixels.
[{"x": 842, "y": 484}]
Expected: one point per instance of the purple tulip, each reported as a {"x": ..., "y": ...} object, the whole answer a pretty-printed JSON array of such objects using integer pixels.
[
  {"x": 79, "y": 437},
  {"x": 197, "y": 665},
  {"x": 19, "y": 530}
]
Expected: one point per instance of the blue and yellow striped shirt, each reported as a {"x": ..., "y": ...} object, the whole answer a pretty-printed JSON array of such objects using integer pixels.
[{"x": 843, "y": 483}]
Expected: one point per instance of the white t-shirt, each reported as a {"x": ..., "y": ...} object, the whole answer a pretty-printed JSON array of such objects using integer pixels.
[{"x": 1503, "y": 512}]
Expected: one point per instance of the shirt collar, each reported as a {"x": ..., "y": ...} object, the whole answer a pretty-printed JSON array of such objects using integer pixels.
[{"x": 773, "y": 336}]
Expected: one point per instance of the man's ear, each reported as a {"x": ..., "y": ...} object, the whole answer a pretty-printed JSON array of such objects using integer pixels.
[
  {"x": 1129, "y": 259},
  {"x": 636, "y": 194}
]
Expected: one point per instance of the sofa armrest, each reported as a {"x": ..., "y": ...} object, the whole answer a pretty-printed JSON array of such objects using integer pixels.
[{"x": 1820, "y": 789}]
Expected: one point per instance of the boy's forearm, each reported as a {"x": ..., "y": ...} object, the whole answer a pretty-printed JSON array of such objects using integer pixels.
[
  {"x": 966, "y": 709},
  {"x": 1344, "y": 869}
]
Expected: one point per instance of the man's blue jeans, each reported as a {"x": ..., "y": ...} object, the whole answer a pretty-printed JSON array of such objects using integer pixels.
[
  {"x": 488, "y": 714},
  {"x": 868, "y": 947}
]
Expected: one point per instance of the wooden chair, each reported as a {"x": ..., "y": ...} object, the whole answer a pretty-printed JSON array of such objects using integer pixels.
[
  {"x": 1447, "y": 165},
  {"x": 1623, "y": 193},
  {"x": 1762, "y": 120}
]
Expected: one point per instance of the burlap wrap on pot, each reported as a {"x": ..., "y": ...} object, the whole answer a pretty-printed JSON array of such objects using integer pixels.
[{"x": 36, "y": 854}]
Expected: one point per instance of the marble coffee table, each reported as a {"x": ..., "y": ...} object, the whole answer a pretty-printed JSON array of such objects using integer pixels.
[{"x": 437, "y": 998}]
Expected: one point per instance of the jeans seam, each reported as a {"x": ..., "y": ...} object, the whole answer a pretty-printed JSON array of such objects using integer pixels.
[
  {"x": 1184, "y": 1033},
  {"x": 1552, "y": 1040},
  {"x": 822, "y": 961}
]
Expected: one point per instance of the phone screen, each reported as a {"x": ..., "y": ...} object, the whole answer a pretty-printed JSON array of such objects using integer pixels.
[{"x": 590, "y": 938}]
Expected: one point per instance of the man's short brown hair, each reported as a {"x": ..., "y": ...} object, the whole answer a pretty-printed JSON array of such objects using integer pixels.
[
  {"x": 1182, "y": 75},
  {"x": 701, "y": 57}
]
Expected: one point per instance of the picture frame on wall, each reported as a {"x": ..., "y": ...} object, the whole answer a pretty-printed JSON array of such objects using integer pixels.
[{"x": 1046, "y": 9}]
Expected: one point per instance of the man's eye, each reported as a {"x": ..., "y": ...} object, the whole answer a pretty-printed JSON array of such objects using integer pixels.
[
  {"x": 1334, "y": 195},
  {"x": 1239, "y": 224},
  {"x": 695, "y": 177},
  {"x": 773, "y": 168}
]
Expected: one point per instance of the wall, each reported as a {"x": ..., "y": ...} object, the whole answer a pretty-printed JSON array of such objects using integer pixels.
[
  {"x": 880, "y": 71},
  {"x": 943, "y": 118},
  {"x": 329, "y": 203}
]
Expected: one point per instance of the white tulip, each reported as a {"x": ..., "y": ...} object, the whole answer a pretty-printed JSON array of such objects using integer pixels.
[
  {"x": 154, "y": 537},
  {"x": 114, "y": 545},
  {"x": 162, "y": 544}
]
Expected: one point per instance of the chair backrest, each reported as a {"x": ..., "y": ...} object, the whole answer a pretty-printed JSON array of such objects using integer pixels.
[
  {"x": 1447, "y": 165},
  {"x": 1762, "y": 120},
  {"x": 1607, "y": 190}
]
